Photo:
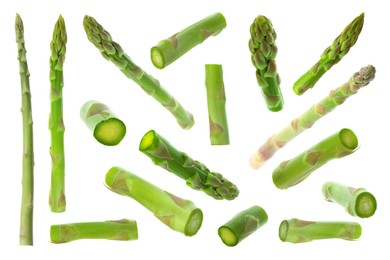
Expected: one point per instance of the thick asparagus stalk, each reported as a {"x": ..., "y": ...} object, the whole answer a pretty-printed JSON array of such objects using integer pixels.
[
  {"x": 26, "y": 210},
  {"x": 356, "y": 201},
  {"x": 306, "y": 120},
  {"x": 216, "y": 99},
  {"x": 123, "y": 229},
  {"x": 293, "y": 171},
  {"x": 263, "y": 50},
  {"x": 242, "y": 225},
  {"x": 106, "y": 127},
  {"x": 196, "y": 175},
  {"x": 112, "y": 51},
  {"x": 331, "y": 55},
  {"x": 300, "y": 231},
  {"x": 57, "y": 200},
  {"x": 179, "y": 214},
  {"x": 172, "y": 48}
]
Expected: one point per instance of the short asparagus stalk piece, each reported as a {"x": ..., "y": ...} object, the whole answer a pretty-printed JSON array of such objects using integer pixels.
[
  {"x": 178, "y": 214},
  {"x": 106, "y": 127},
  {"x": 26, "y": 211},
  {"x": 331, "y": 55},
  {"x": 169, "y": 50},
  {"x": 216, "y": 99},
  {"x": 300, "y": 231},
  {"x": 123, "y": 229},
  {"x": 57, "y": 200},
  {"x": 242, "y": 225},
  {"x": 293, "y": 171},
  {"x": 113, "y": 52},
  {"x": 306, "y": 120},
  {"x": 196, "y": 175},
  {"x": 263, "y": 49},
  {"x": 356, "y": 201}
]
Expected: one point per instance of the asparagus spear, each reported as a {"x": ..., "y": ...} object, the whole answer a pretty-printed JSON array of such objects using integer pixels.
[
  {"x": 57, "y": 200},
  {"x": 356, "y": 201},
  {"x": 306, "y": 120},
  {"x": 331, "y": 55},
  {"x": 122, "y": 229},
  {"x": 263, "y": 50},
  {"x": 179, "y": 214},
  {"x": 300, "y": 231},
  {"x": 196, "y": 175},
  {"x": 292, "y": 172},
  {"x": 169, "y": 50},
  {"x": 112, "y": 51},
  {"x": 26, "y": 211},
  {"x": 106, "y": 127},
  {"x": 242, "y": 225},
  {"x": 216, "y": 99}
]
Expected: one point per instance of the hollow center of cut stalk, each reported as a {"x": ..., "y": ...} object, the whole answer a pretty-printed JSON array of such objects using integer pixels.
[
  {"x": 349, "y": 139},
  {"x": 147, "y": 140}
]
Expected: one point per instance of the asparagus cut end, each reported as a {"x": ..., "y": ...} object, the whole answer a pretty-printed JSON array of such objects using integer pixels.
[
  {"x": 349, "y": 139},
  {"x": 227, "y": 235},
  {"x": 110, "y": 132},
  {"x": 147, "y": 140},
  {"x": 283, "y": 230},
  {"x": 157, "y": 58},
  {"x": 194, "y": 223},
  {"x": 365, "y": 205}
]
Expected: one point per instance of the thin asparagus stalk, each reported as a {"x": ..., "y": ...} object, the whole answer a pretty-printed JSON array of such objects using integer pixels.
[
  {"x": 300, "y": 231},
  {"x": 172, "y": 48},
  {"x": 356, "y": 201},
  {"x": 196, "y": 175},
  {"x": 113, "y": 52},
  {"x": 178, "y": 214},
  {"x": 57, "y": 200},
  {"x": 123, "y": 230},
  {"x": 26, "y": 210},
  {"x": 331, "y": 55},
  {"x": 293, "y": 171},
  {"x": 306, "y": 120},
  {"x": 242, "y": 225},
  {"x": 216, "y": 99}
]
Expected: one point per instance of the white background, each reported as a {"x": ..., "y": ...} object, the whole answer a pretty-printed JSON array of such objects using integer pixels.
[{"x": 305, "y": 29}]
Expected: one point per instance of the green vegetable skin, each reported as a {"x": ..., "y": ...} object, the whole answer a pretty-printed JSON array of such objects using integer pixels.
[
  {"x": 300, "y": 231},
  {"x": 113, "y": 52},
  {"x": 196, "y": 175},
  {"x": 169, "y": 50},
  {"x": 292, "y": 172},
  {"x": 123, "y": 229},
  {"x": 263, "y": 49},
  {"x": 178, "y": 214},
  {"x": 106, "y": 127},
  {"x": 331, "y": 56},
  {"x": 57, "y": 200},
  {"x": 335, "y": 98},
  {"x": 242, "y": 225},
  {"x": 356, "y": 201},
  {"x": 26, "y": 210}
]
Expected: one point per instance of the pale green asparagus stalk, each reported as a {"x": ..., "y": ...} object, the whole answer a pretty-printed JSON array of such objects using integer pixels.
[
  {"x": 335, "y": 98},
  {"x": 356, "y": 201},
  {"x": 113, "y": 52},
  {"x": 26, "y": 210},
  {"x": 169, "y": 50}
]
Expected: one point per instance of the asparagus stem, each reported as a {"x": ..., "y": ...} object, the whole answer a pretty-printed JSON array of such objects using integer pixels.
[
  {"x": 216, "y": 99},
  {"x": 57, "y": 200},
  {"x": 112, "y": 51},
  {"x": 293, "y": 171},
  {"x": 26, "y": 210},
  {"x": 306, "y": 120},
  {"x": 179, "y": 214},
  {"x": 123, "y": 229},
  {"x": 172, "y": 48},
  {"x": 331, "y": 55},
  {"x": 196, "y": 175},
  {"x": 300, "y": 231},
  {"x": 242, "y": 225},
  {"x": 263, "y": 50},
  {"x": 356, "y": 201}
]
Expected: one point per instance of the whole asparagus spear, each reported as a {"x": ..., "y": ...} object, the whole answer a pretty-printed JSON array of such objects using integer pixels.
[
  {"x": 306, "y": 120},
  {"x": 26, "y": 211}
]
